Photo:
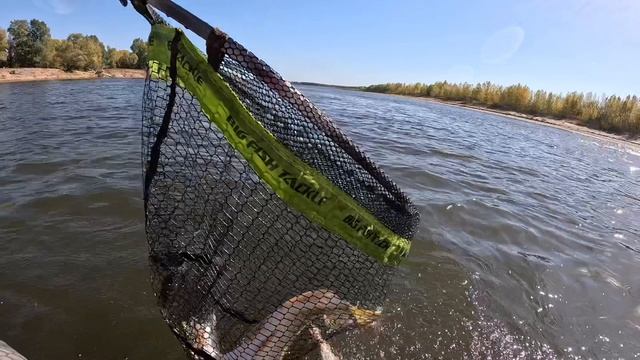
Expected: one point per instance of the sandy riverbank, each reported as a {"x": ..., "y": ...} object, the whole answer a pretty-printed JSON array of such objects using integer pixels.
[
  {"x": 568, "y": 125},
  {"x": 36, "y": 74}
]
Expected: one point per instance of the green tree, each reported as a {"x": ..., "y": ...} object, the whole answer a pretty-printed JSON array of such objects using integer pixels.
[
  {"x": 51, "y": 55},
  {"x": 635, "y": 119},
  {"x": 40, "y": 35},
  {"x": 81, "y": 52},
  {"x": 108, "y": 56},
  {"x": 611, "y": 113},
  {"x": 553, "y": 105},
  {"x": 127, "y": 60},
  {"x": 114, "y": 56},
  {"x": 140, "y": 48},
  {"x": 28, "y": 42},
  {"x": 572, "y": 105},
  {"x": 93, "y": 49},
  {"x": 21, "y": 45},
  {"x": 492, "y": 94},
  {"x": 4, "y": 47},
  {"x": 515, "y": 97},
  {"x": 538, "y": 102},
  {"x": 590, "y": 111},
  {"x": 122, "y": 59},
  {"x": 70, "y": 57}
]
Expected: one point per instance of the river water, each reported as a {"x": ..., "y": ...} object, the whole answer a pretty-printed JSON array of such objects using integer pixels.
[{"x": 529, "y": 243}]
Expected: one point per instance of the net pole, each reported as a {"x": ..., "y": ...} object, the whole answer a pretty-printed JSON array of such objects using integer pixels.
[{"x": 183, "y": 16}]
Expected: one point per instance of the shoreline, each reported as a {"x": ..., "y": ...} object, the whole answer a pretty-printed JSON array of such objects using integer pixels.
[
  {"x": 567, "y": 125},
  {"x": 18, "y": 75}
]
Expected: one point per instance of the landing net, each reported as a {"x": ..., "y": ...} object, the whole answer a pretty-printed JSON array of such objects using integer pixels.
[{"x": 263, "y": 219}]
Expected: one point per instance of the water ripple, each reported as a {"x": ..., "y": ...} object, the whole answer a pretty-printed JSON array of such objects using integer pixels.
[{"x": 528, "y": 247}]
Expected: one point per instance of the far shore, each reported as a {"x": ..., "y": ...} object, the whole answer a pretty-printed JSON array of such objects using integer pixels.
[
  {"x": 566, "y": 124},
  {"x": 10, "y": 75}
]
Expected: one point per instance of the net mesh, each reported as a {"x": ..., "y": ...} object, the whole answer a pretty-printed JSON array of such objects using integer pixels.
[{"x": 239, "y": 273}]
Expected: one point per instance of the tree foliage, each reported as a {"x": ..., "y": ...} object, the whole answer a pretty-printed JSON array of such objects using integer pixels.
[
  {"x": 20, "y": 45},
  {"x": 122, "y": 59},
  {"x": 50, "y": 57},
  {"x": 140, "y": 48},
  {"x": 81, "y": 52},
  {"x": 4, "y": 47},
  {"x": 29, "y": 44},
  {"x": 613, "y": 113},
  {"x": 109, "y": 56},
  {"x": 40, "y": 34}
]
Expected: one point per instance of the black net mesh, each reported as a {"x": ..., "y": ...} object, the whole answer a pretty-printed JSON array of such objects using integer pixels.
[{"x": 238, "y": 273}]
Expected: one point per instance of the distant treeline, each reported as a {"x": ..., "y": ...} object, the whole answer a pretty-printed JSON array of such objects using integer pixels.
[
  {"x": 608, "y": 113},
  {"x": 29, "y": 44}
]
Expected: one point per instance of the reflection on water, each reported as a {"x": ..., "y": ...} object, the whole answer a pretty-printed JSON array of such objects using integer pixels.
[{"x": 529, "y": 243}]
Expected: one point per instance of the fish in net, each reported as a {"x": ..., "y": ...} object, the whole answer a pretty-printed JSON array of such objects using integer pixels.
[{"x": 268, "y": 229}]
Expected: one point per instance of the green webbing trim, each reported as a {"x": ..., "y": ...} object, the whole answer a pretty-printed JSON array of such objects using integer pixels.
[{"x": 296, "y": 183}]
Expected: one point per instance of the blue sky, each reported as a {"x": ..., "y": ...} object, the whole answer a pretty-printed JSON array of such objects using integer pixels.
[{"x": 558, "y": 45}]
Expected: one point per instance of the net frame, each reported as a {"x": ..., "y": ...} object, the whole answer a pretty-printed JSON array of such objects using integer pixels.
[{"x": 218, "y": 233}]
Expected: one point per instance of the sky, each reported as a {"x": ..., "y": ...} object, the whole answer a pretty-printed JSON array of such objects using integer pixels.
[{"x": 556, "y": 45}]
